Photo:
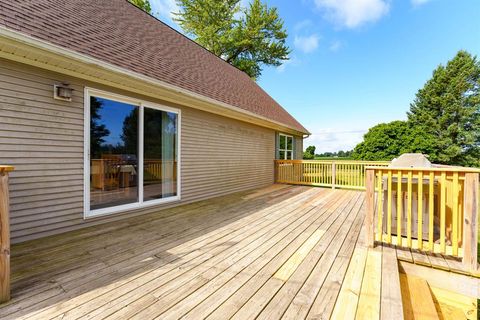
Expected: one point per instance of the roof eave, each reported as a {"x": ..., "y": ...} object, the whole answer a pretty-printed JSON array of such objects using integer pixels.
[{"x": 25, "y": 49}]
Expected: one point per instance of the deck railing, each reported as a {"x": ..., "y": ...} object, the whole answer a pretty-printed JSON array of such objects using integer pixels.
[
  {"x": 427, "y": 209},
  {"x": 324, "y": 173},
  {"x": 4, "y": 234}
]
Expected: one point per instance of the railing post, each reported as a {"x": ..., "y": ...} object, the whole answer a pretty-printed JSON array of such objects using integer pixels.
[
  {"x": 275, "y": 171},
  {"x": 370, "y": 206},
  {"x": 334, "y": 174},
  {"x": 470, "y": 215},
  {"x": 4, "y": 235}
]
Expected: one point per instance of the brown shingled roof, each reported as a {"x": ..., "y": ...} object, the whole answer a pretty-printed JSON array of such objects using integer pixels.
[{"x": 117, "y": 32}]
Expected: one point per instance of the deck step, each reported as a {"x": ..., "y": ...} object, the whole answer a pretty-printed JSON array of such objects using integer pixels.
[{"x": 418, "y": 302}]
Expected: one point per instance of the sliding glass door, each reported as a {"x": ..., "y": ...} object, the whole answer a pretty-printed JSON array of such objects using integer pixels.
[
  {"x": 133, "y": 158},
  {"x": 160, "y": 157}
]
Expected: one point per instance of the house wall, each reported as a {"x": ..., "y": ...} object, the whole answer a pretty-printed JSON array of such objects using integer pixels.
[{"x": 43, "y": 139}]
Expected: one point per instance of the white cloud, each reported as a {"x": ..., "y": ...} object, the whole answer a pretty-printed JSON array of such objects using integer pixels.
[
  {"x": 417, "y": 3},
  {"x": 306, "y": 44},
  {"x": 163, "y": 9},
  {"x": 304, "y": 24},
  {"x": 354, "y": 13},
  {"x": 332, "y": 140}
]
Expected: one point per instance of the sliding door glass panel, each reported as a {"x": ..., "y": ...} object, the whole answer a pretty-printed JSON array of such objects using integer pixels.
[
  {"x": 160, "y": 154},
  {"x": 113, "y": 153}
]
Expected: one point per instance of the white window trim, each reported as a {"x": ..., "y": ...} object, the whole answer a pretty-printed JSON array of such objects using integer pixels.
[
  {"x": 87, "y": 213},
  {"x": 280, "y": 135}
]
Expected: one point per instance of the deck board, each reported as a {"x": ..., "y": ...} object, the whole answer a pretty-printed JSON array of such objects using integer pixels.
[{"x": 287, "y": 252}]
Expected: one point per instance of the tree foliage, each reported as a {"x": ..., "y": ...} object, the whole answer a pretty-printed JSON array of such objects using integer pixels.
[
  {"x": 98, "y": 130},
  {"x": 447, "y": 108},
  {"x": 386, "y": 141},
  {"x": 129, "y": 133},
  {"x": 309, "y": 153},
  {"x": 142, "y": 4},
  {"x": 443, "y": 121},
  {"x": 247, "y": 38}
]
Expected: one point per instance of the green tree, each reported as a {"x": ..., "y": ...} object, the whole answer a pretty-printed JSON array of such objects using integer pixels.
[
  {"x": 309, "y": 153},
  {"x": 244, "y": 37},
  {"x": 98, "y": 130},
  {"x": 447, "y": 109},
  {"x": 142, "y": 4},
  {"x": 386, "y": 141},
  {"x": 129, "y": 134}
]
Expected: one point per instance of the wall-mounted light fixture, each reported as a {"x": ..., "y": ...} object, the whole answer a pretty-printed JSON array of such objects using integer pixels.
[{"x": 62, "y": 92}]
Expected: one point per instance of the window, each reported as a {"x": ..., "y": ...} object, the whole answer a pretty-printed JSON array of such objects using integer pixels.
[
  {"x": 285, "y": 147},
  {"x": 131, "y": 157}
]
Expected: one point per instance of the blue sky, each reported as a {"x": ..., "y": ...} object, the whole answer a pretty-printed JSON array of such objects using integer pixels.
[{"x": 356, "y": 63}]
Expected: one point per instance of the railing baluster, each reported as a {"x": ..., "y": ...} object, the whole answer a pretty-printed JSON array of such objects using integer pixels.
[
  {"x": 420, "y": 211},
  {"x": 409, "y": 209},
  {"x": 455, "y": 214},
  {"x": 443, "y": 207},
  {"x": 431, "y": 207},
  {"x": 399, "y": 208},
  {"x": 334, "y": 174},
  {"x": 380, "y": 205},
  {"x": 389, "y": 207},
  {"x": 370, "y": 206}
]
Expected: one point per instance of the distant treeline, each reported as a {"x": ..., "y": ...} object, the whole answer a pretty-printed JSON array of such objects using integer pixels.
[{"x": 338, "y": 154}]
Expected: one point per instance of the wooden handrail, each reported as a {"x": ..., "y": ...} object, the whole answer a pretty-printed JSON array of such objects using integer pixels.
[
  {"x": 4, "y": 234},
  {"x": 371, "y": 163},
  {"x": 434, "y": 169},
  {"x": 427, "y": 209},
  {"x": 346, "y": 174}
]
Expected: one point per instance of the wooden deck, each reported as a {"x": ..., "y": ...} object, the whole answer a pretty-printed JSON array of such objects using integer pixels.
[{"x": 288, "y": 252}]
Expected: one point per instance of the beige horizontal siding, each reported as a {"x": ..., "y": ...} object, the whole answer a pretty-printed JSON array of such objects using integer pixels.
[{"x": 43, "y": 139}]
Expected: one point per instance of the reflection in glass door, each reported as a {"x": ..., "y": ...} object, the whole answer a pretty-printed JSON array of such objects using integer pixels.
[{"x": 113, "y": 153}]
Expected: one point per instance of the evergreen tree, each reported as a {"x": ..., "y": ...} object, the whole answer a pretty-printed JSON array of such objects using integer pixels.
[
  {"x": 447, "y": 108},
  {"x": 98, "y": 130}
]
